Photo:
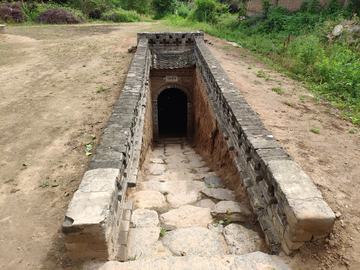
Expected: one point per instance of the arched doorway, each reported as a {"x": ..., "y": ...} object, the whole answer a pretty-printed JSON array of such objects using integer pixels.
[{"x": 172, "y": 112}]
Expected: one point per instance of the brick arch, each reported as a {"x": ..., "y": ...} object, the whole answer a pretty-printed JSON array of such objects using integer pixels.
[{"x": 172, "y": 85}]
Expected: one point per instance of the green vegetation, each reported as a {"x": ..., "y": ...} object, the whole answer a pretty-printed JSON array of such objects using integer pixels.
[{"x": 299, "y": 44}]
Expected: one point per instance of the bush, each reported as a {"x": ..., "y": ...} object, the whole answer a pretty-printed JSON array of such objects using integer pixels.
[
  {"x": 184, "y": 9},
  {"x": 140, "y": 6},
  {"x": 163, "y": 7},
  {"x": 12, "y": 13},
  {"x": 59, "y": 16},
  {"x": 120, "y": 15}
]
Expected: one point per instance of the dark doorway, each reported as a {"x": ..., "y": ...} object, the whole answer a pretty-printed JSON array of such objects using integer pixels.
[{"x": 172, "y": 108}]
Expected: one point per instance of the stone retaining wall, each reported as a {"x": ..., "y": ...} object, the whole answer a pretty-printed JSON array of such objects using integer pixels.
[
  {"x": 290, "y": 208},
  {"x": 98, "y": 217}
]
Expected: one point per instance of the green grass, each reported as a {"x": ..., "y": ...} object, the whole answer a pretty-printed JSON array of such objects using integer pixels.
[{"x": 330, "y": 69}]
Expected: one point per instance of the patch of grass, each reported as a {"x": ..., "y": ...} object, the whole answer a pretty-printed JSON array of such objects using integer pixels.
[
  {"x": 8, "y": 181},
  {"x": 277, "y": 90},
  {"x": 315, "y": 130},
  {"x": 44, "y": 185},
  {"x": 162, "y": 232}
]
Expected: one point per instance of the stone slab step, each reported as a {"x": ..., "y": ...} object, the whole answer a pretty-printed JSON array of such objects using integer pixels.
[{"x": 252, "y": 261}]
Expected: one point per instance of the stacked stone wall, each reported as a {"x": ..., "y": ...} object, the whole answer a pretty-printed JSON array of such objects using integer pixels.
[
  {"x": 290, "y": 208},
  {"x": 98, "y": 217}
]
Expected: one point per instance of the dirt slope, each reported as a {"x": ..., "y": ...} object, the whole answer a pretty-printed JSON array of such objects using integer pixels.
[{"x": 58, "y": 86}]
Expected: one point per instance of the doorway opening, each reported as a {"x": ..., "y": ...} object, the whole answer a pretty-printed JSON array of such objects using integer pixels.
[{"x": 172, "y": 112}]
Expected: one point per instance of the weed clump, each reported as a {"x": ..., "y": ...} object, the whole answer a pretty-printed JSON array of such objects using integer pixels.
[
  {"x": 59, "y": 16},
  {"x": 120, "y": 15}
]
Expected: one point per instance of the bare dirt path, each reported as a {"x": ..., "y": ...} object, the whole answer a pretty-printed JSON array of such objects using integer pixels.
[{"x": 57, "y": 87}]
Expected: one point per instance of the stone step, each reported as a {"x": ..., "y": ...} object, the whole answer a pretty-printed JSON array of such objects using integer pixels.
[{"x": 252, "y": 261}]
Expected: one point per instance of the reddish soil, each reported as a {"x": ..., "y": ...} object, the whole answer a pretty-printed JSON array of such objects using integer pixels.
[{"x": 55, "y": 95}]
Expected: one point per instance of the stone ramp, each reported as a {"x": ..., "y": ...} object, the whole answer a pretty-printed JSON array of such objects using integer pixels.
[
  {"x": 252, "y": 261},
  {"x": 181, "y": 220}
]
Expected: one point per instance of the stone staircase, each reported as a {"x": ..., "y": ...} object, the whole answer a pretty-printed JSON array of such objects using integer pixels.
[{"x": 184, "y": 219}]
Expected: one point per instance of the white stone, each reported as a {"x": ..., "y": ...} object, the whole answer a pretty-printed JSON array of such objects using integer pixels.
[
  {"x": 167, "y": 187},
  {"x": 100, "y": 180},
  {"x": 156, "y": 169},
  {"x": 219, "y": 228},
  {"x": 186, "y": 216},
  {"x": 219, "y": 194},
  {"x": 234, "y": 211},
  {"x": 241, "y": 240},
  {"x": 202, "y": 170},
  {"x": 157, "y": 160},
  {"x": 145, "y": 218},
  {"x": 150, "y": 199},
  {"x": 252, "y": 261},
  {"x": 197, "y": 163},
  {"x": 143, "y": 243},
  {"x": 179, "y": 199},
  {"x": 206, "y": 203},
  {"x": 194, "y": 241},
  {"x": 337, "y": 30}
]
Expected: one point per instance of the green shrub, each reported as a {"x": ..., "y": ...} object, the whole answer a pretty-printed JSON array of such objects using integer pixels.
[
  {"x": 140, "y": 6},
  {"x": 184, "y": 9},
  {"x": 163, "y": 7},
  {"x": 120, "y": 15}
]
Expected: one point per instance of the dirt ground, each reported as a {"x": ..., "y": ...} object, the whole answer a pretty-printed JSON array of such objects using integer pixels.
[{"x": 58, "y": 86}]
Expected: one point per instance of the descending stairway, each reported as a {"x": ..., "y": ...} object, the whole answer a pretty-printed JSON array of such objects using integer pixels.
[{"x": 184, "y": 219}]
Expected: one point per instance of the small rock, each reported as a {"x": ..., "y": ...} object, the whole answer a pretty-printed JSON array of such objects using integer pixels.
[
  {"x": 150, "y": 199},
  {"x": 219, "y": 194},
  {"x": 157, "y": 169},
  {"x": 239, "y": 212},
  {"x": 179, "y": 199},
  {"x": 337, "y": 30},
  {"x": 156, "y": 160},
  {"x": 194, "y": 241},
  {"x": 206, "y": 203},
  {"x": 241, "y": 240},
  {"x": 143, "y": 243},
  {"x": 219, "y": 228},
  {"x": 213, "y": 182},
  {"x": 145, "y": 218},
  {"x": 66, "y": 194},
  {"x": 186, "y": 216},
  {"x": 338, "y": 214}
]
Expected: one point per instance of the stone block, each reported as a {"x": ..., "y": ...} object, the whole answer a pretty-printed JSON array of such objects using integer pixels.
[
  {"x": 90, "y": 208},
  {"x": 100, "y": 180},
  {"x": 291, "y": 181},
  {"x": 255, "y": 201},
  {"x": 290, "y": 244},
  {"x": 312, "y": 216},
  {"x": 124, "y": 226},
  {"x": 265, "y": 222},
  {"x": 268, "y": 198},
  {"x": 271, "y": 238},
  {"x": 229, "y": 209},
  {"x": 263, "y": 142},
  {"x": 123, "y": 238}
]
